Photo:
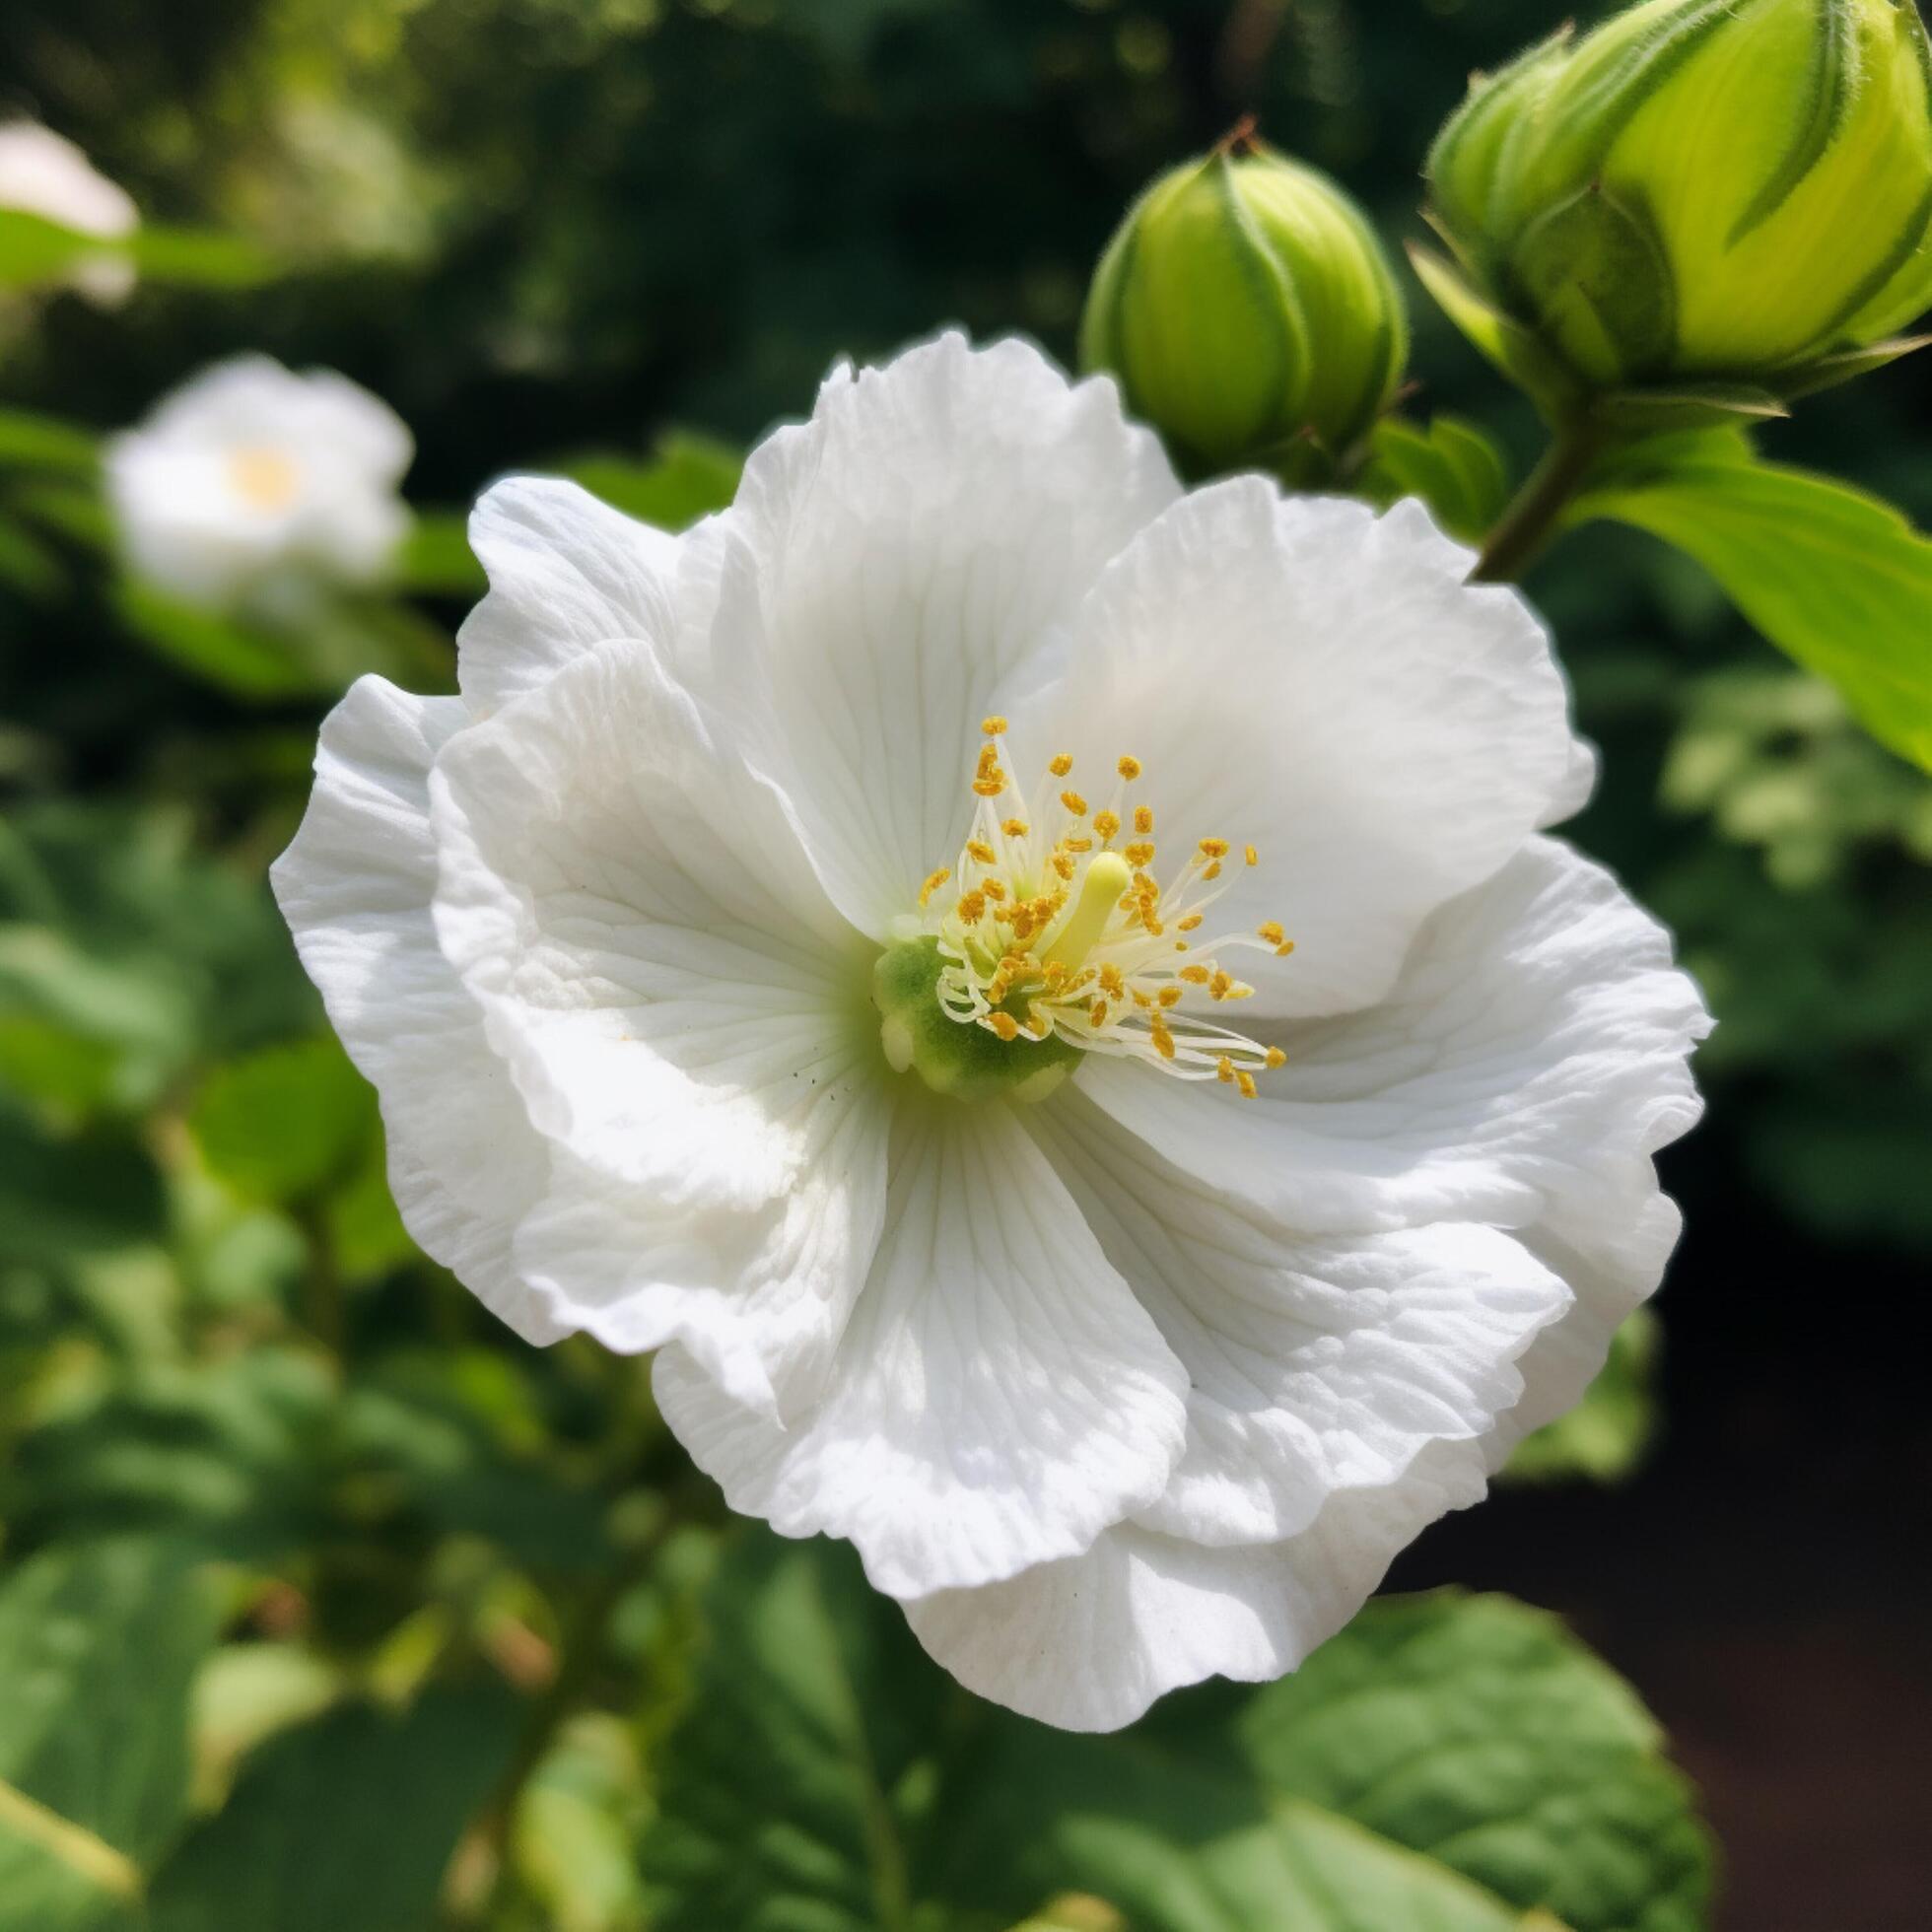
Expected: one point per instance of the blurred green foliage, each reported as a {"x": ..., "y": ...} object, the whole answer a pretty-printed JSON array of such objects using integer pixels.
[{"x": 324, "y": 1602}]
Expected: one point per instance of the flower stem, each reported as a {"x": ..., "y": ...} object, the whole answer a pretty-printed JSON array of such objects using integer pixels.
[{"x": 1530, "y": 522}]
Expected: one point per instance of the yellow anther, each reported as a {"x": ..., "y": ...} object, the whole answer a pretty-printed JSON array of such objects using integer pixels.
[
  {"x": 1063, "y": 763},
  {"x": 1144, "y": 819},
  {"x": 992, "y": 889},
  {"x": 1163, "y": 1040},
  {"x": 1253, "y": 857},
  {"x": 1221, "y": 984},
  {"x": 990, "y": 787},
  {"x": 1014, "y": 828},
  {"x": 1275, "y": 1058},
  {"x": 1004, "y": 1024},
  {"x": 1245, "y": 1080},
  {"x": 1074, "y": 803},
  {"x": 1097, "y": 1012},
  {"x": 1189, "y": 924},
  {"x": 933, "y": 883},
  {"x": 1065, "y": 867},
  {"x": 1213, "y": 848},
  {"x": 1195, "y": 974},
  {"x": 1106, "y": 823},
  {"x": 971, "y": 908},
  {"x": 1111, "y": 980},
  {"x": 1076, "y": 845},
  {"x": 1141, "y": 853},
  {"x": 1170, "y": 996},
  {"x": 1271, "y": 932},
  {"x": 1212, "y": 870},
  {"x": 994, "y": 726},
  {"x": 1129, "y": 769},
  {"x": 1107, "y": 875},
  {"x": 1142, "y": 1001},
  {"x": 1284, "y": 949},
  {"x": 1225, "y": 1071},
  {"x": 984, "y": 853}
]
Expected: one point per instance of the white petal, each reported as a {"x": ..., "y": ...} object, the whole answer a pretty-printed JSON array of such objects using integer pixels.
[
  {"x": 354, "y": 886},
  {"x": 1305, "y": 678},
  {"x": 566, "y": 573},
  {"x": 1537, "y": 1032},
  {"x": 653, "y": 957},
  {"x": 998, "y": 1397},
  {"x": 902, "y": 558},
  {"x": 1314, "y": 1363},
  {"x": 1089, "y": 1644},
  {"x": 1532, "y": 1058},
  {"x": 759, "y": 1297}
]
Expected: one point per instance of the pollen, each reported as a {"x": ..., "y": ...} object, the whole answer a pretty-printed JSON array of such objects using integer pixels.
[{"x": 1061, "y": 935}]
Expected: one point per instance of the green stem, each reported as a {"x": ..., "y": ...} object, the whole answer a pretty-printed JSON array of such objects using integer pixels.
[{"x": 1530, "y": 522}]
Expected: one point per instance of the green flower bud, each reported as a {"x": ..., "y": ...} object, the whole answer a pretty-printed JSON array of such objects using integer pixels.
[
  {"x": 1710, "y": 189},
  {"x": 1249, "y": 313}
]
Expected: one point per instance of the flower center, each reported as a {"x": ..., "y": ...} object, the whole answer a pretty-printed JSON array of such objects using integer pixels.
[
  {"x": 1054, "y": 933},
  {"x": 264, "y": 479}
]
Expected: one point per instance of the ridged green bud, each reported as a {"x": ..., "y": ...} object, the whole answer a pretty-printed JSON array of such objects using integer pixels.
[
  {"x": 1704, "y": 189},
  {"x": 1249, "y": 313}
]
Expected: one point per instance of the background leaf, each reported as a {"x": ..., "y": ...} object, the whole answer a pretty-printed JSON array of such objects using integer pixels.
[
  {"x": 348, "y": 1820},
  {"x": 98, "y": 1649},
  {"x": 1837, "y": 578}
]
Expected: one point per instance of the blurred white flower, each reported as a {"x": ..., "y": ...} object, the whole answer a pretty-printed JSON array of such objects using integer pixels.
[
  {"x": 1127, "y": 1315},
  {"x": 254, "y": 484},
  {"x": 43, "y": 174}
]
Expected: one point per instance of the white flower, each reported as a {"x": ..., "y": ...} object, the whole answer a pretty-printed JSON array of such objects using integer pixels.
[
  {"x": 252, "y": 482},
  {"x": 43, "y": 174},
  {"x": 1137, "y": 1354}
]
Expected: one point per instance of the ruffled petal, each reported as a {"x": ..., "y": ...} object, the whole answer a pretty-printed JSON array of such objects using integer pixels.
[
  {"x": 566, "y": 573},
  {"x": 896, "y": 564},
  {"x": 1537, "y": 1035},
  {"x": 1314, "y": 1363},
  {"x": 653, "y": 957},
  {"x": 1089, "y": 1643},
  {"x": 998, "y": 1397},
  {"x": 1303, "y": 676},
  {"x": 354, "y": 886}
]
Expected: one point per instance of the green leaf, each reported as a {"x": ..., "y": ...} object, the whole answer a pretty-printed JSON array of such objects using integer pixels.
[
  {"x": 282, "y": 1124},
  {"x": 1456, "y": 468},
  {"x": 1446, "y": 1765},
  {"x": 345, "y": 1821},
  {"x": 435, "y": 557},
  {"x": 228, "y": 1457},
  {"x": 1604, "y": 1439},
  {"x": 36, "y": 252},
  {"x": 205, "y": 259},
  {"x": 1479, "y": 1732},
  {"x": 98, "y": 1651},
  {"x": 1837, "y": 578},
  {"x": 784, "y": 1790},
  {"x": 29, "y": 440},
  {"x": 688, "y": 477},
  {"x": 218, "y": 649}
]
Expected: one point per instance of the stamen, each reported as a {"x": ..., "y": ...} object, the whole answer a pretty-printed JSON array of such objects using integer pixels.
[{"x": 933, "y": 881}]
